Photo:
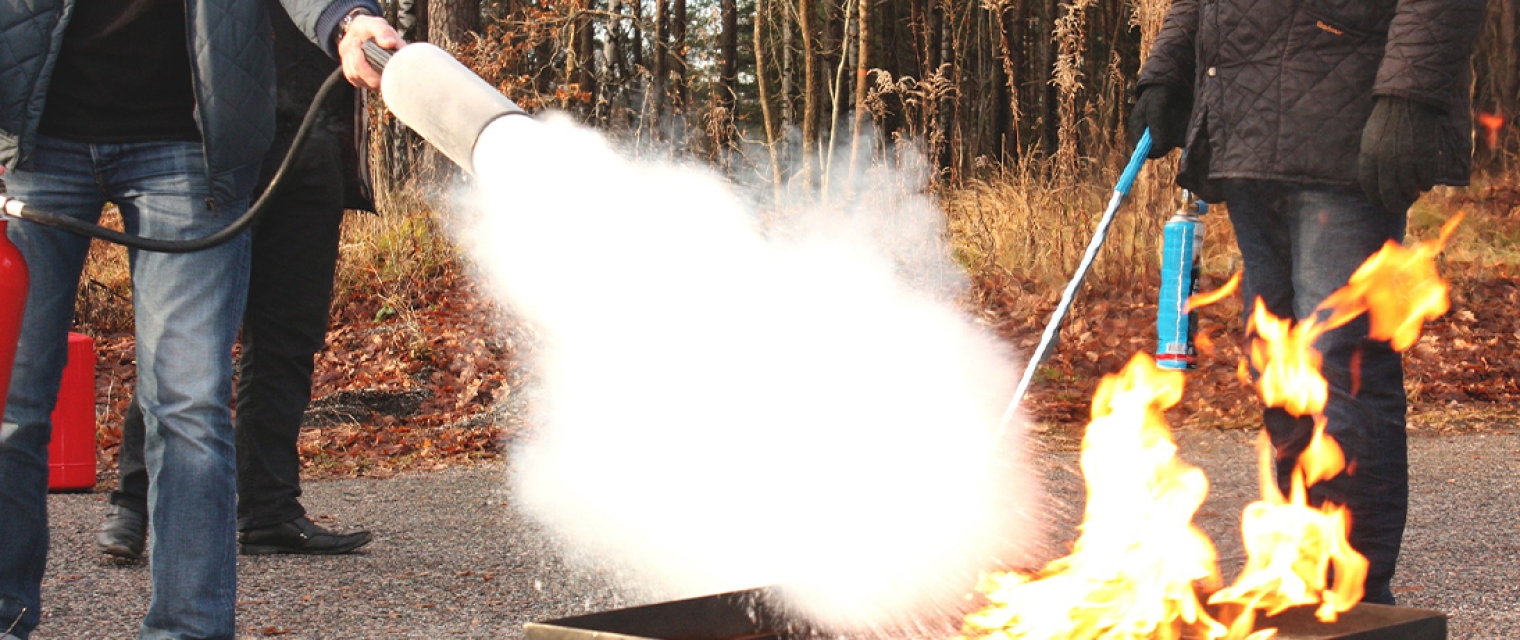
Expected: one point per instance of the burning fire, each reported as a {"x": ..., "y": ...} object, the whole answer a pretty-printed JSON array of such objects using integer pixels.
[
  {"x": 1289, "y": 543},
  {"x": 1139, "y": 563},
  {"x": 1491, "y": 124},
  {"x": 1133, "y": 569}
]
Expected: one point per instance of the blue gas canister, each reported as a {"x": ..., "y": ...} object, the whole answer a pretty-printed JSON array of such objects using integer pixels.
[{"x": 1181, "y": 262}]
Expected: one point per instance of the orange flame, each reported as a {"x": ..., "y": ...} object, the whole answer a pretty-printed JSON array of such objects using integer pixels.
[
  {"x": 1207, "y": 298},
  {"x": 1135, "y": 569},
  {"x": 1205, "y": 344},
  {"x": 1291, "y": 545},
  {"x": 1491, "y": 124}
]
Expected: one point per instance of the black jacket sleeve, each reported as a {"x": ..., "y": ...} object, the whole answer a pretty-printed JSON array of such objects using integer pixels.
[
  {"x": 1430, "y": 43},
  {"x": 1173, "y": 58}
]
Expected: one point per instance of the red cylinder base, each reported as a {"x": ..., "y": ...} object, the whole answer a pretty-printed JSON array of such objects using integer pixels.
[{"x": 71, "y": 452}]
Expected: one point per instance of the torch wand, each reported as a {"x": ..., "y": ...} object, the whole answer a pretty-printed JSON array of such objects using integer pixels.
[{"x": 1053, "y": 328}]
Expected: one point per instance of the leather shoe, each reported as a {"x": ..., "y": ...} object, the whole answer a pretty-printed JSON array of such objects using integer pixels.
[
  {"x": 299, "y": 536},
  {"x": 124, "y": 533}
]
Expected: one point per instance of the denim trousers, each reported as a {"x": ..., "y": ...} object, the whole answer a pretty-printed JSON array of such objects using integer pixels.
[
  {"x": 295, "y": 255},
  {"x": 1299, "y": 243},
  {"x": 186, "y": 309}
]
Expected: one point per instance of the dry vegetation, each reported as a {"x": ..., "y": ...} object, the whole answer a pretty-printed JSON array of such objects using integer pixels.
[{"x": 419, "y": 368}]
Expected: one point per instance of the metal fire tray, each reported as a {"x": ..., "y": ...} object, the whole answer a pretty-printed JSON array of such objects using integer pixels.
[
  {"x": 740, "y": 615},
  {"x": 747, "y": 615}
]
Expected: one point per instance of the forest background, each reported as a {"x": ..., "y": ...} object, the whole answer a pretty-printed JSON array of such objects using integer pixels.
[{"x": 1019, "y": 108}]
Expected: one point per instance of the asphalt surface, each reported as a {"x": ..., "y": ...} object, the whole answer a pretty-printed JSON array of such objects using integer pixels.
[{"x": 453, "y": 559}]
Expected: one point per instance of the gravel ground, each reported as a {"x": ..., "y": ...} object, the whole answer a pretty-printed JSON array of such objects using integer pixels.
[{"x": 452, "y": 559}]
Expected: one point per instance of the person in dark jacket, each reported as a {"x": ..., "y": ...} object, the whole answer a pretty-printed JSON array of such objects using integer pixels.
[
  {"x": 294, "y": 258},
  {"x": 1318, "y": 123},
  {"x": 166, "y": 109}
]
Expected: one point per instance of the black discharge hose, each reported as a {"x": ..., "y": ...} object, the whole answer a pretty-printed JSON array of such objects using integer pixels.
[{"x": 377, "y": 58}]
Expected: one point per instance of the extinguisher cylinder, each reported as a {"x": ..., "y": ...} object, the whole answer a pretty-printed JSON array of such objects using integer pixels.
[{"x": 13, "y": 286}]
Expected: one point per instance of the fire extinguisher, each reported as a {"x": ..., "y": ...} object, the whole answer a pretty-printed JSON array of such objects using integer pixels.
[
  {"x": 13, "y": 284},
  {"x": 1181, "y": 263}
]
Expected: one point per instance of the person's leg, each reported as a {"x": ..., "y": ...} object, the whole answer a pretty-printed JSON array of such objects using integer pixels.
[
  {"x": 187, "y": 310},
  {"x": 295, "y": 254},
  {"x": 124, "y": 532},
  {"x": 1338, "y": 230},
  {"x": 1324, "y": 234},
  {"x": 1264, "y": 235},
  {"x": 131, "y": 469},
  {"x": 60, "y": 180}
]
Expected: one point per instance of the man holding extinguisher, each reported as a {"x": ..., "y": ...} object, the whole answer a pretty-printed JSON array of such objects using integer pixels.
[
  {"x": 1318, "y": 123},
  {"x": 165, "y": 108}
]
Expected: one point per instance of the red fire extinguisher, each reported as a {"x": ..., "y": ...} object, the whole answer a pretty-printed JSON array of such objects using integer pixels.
[{"x": 13, "y": 283}]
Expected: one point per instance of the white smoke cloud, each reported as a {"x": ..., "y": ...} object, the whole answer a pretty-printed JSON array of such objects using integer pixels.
[{"x": 724, "y": 406}]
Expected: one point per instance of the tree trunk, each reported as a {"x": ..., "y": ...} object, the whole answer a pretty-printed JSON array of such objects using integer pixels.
[
  {"x": 837, "y": 100},
  {"x": 581, "y": 61},
  {"x": 661, "y": 52},
  {"x": 810, "y": 106},
  {"x": 678, "y": 54},
  {"x": 411, "y": 20},
  {"x": 765, "y": 96},
  {"x": 730, "y": 52},
  {"x": 862, "y": 70},
  {"x": 788, "y": 68},
  {"x": 450, "y": 22},
  {"x": 637, "y": 8},
  {"x": 1052, "y": 119}
]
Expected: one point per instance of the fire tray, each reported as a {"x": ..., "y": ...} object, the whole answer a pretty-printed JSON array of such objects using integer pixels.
[{"x": 745, "y": 615}]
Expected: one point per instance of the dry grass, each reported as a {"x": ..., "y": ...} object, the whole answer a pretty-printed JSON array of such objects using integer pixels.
[
  {"x": 1490, "y": 233},
  {"x": 393, "y": 258},
  {"x": 391, "y": 255},
  {"x": 1028, "y": 227}
]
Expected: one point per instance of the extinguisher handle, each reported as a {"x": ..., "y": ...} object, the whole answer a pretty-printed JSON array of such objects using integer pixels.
[{"x": 376, "y": 55}]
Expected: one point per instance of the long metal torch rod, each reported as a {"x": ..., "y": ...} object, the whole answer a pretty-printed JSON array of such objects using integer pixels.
[{"x": 1053, "y": 328}]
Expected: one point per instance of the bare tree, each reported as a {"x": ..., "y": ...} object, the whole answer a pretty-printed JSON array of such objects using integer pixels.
[
  {"x": 761, "y": 74},
  {"x": 678, "y": 53},
  {"x": 810, "y": 104},
  {"x": 661, "y": 52},
  {"x": 862, "y": 70},
  {"x": 450, "y": 22},
  {"x": 729, "y": 45}
]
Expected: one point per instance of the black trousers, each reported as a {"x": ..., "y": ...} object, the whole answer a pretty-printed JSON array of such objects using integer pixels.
[{"x": 295, "y": 255}]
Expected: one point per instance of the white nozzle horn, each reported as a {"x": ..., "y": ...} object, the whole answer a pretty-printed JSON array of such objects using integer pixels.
[{"x": 442, "y": 100}]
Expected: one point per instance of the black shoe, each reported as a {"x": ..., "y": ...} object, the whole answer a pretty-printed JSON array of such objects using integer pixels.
[
  {"x": 299, "y": 536},
  {"x": 124, "y": 534}
]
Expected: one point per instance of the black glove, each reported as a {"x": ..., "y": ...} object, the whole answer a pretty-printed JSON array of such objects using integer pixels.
[
  {"x": 1399, "y": 152},
  {"x": 1166, "y": 111}
]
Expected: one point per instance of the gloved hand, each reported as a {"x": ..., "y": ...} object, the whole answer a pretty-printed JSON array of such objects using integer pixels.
[
  {"x": 1399, "y": 149},
  {"x": 1166, "y": 111}
]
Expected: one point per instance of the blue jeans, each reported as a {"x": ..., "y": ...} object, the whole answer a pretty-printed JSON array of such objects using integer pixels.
[
  {"x": 187, "y": 309},
  {"x": 1300, "y": 243}
]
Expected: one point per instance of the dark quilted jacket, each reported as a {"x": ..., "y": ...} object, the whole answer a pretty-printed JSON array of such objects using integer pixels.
[
  {"x": 231, "y": 60},
  {"x": 1283, "y": 87}
]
